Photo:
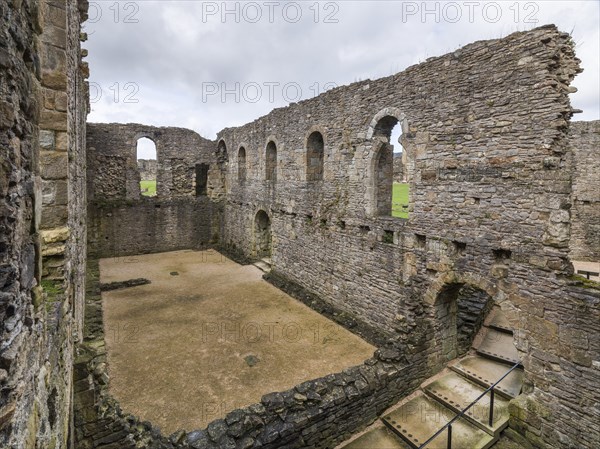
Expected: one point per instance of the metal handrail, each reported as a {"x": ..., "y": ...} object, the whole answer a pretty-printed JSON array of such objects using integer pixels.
[{"x": 462, "y": 413}]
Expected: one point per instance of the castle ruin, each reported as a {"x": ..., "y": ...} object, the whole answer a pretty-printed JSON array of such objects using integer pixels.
[{"x": 503, "y": 200}]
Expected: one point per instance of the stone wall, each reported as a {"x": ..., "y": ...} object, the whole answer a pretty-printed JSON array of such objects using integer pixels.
[
  {"x": 485, "y": 130},
  {"x": 112, "y": 162},
  {"x": 488, "y": 158},
  {"x": 42, "y": 132},
  {"x": 148, "y": 169},
  {"x": 122, "y": 221},
  {"x": 585, "y": 213},
  {"x": 399, "y": 168},
  {"x": 151, "y": 226}
]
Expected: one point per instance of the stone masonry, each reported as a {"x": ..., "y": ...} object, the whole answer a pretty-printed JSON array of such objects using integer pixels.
[
  {"x": 585, "y": 213},
  {"x": 123, "y": 222},
  {"x": 42, "y": 216},
  {"x": 147, "y": 168}
]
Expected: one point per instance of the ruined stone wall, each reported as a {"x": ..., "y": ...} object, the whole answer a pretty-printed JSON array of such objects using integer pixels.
[
  {"x": 44, "y": 107},
  {"x": 398, "y": 168},
  {"x": 486, "y": 134},
  {"x": 113, "y": 171},
  {"x": 151, "y": 226},
  {"x": 121, "y": 221},
  {"x": 148, "y": 169},
  {"x": 585, "y": 226}
]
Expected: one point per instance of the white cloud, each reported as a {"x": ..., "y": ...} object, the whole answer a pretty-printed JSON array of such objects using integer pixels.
[{"x": 176, "y": 47}]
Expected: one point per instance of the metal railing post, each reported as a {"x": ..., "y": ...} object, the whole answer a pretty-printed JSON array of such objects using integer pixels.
[
  {"x": 492, "y": 407},
  {"x": 462, "y": 413}
]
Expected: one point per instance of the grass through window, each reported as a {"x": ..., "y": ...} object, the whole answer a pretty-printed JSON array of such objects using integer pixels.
[
  {"x": 400, "y": 200},
  {"x": 148, "y": 188}
]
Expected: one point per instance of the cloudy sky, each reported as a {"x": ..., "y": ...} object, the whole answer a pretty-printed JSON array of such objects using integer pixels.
[{"x": 209, "y": 65}]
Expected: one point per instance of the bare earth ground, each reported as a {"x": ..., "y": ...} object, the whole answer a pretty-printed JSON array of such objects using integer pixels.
[{"x": 208, "y": 336}]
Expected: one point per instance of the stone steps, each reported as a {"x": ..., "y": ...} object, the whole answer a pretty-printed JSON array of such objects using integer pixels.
[
  {"x": 497, "y": 320},
  {"x": 457, "y": 392},
  {"x": 497, "y": 345},
  {"x": 264, "y": 264},
  {"x": 486, "y": 371},
  {"x": 417, "y": 418},
  {"x": 379, "y": 437},
  {"x": 420, "y": 418}
]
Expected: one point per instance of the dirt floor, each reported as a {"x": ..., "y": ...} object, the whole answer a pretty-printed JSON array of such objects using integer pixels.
[{"x": 208, "y": 336}]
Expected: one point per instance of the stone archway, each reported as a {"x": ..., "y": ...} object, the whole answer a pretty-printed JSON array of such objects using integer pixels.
[
  {"x": 459, "y": 312},
  {"x": 459, "y": 304},
  {"x": 262, "y": 235}
]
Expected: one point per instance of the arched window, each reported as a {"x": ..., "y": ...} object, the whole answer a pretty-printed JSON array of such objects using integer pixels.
[
  {"x": 242, "y": 164},
  {"x": 391, "y": 190},
  {"x": 222, "y": 157},
  {"x": 315, "y": 147},
  {"x": 147, "y": 166},
  {"x": 271, "y": 162}
]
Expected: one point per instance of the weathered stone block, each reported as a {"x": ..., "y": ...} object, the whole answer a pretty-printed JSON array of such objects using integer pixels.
[
  {"x": 54, "y": 216},
  {"x": 61, "y": 141},
  {"x": 54, "y": 120},
  {"x": 47, "y": 139},
  {"x": 55, "y": 235},
  {"x": 54, "y": 165}
]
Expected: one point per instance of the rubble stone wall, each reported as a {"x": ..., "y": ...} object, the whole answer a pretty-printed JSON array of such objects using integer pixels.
[
  {"x": 122, "y": 221},
  {"x": 485, "y": 130},
  {"x": 148, "y": 169},
  {"x": 42, "y": 251},
  {"x": 585, "y": 214}
]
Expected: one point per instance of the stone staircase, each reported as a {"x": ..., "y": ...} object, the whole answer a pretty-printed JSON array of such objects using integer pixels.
[
  {"x": 264, "y": 264},
  {"x": 410, "y": 423}
]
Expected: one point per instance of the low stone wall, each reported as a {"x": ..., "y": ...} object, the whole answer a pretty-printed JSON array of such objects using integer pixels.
[{"x": 150, "y": 225}]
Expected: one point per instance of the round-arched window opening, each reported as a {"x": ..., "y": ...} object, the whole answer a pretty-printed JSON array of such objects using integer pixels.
[
  {"x": 391, "y": 188},
  {"x": 271, "y": 162},
  {"x": 147, "y": 166},
  {"x": 242, "y": 164},
  {"x": 315, "y": 149}
]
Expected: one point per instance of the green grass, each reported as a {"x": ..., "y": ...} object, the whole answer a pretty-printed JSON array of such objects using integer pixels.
[
  {"x": 399, "y": 199},
  {"x": 148, "y": 188}
]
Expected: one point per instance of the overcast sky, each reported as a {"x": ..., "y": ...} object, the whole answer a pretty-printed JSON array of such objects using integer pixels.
[{"x": 210, "y": 65}]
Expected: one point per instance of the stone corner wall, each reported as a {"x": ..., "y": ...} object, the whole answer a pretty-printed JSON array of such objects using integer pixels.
[
  {"x": 585, "y": 211},
  {"x": 42, "y": 208},
  {"x": 121, "y": 221}
]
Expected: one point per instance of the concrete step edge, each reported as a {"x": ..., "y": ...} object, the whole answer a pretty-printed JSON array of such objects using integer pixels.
[
  {"x": 494, "y": 432},
  {"x": 481, "y": 382}
]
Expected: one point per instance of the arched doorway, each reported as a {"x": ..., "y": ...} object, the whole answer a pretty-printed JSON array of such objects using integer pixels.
[
  {"x": 262, "y": 235},
  {"x": 460, "y": 310}
]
